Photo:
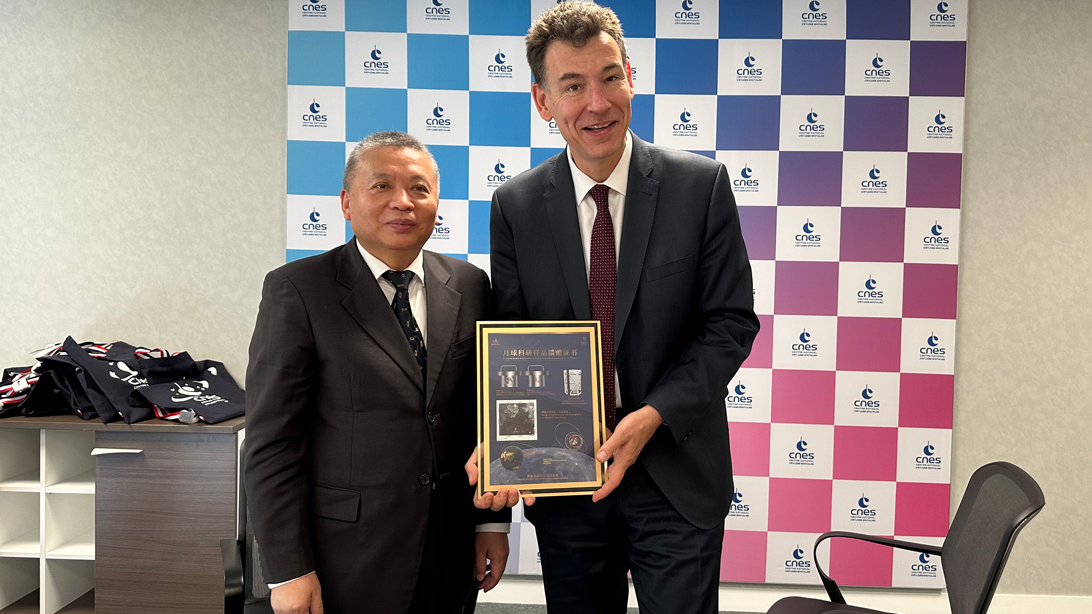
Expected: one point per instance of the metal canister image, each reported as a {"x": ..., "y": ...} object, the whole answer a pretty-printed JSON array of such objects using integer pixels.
[
  {"x": 573, "y": 384},
  {"x": 509, "y": 376},
  {"x": 536, "y": 376}
]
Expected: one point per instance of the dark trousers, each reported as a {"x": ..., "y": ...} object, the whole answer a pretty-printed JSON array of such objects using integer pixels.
[{"x": 587, "y": 549}]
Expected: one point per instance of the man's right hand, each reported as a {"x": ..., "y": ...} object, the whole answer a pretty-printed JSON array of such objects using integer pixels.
[
  {"x": 503, "y": 498},
  {"x": 300, "y": 596}
]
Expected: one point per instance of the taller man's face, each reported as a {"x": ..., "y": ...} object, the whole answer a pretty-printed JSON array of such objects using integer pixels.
[
  {"x": 588, "y": 94},
  {"x": 391, "y": 204}
]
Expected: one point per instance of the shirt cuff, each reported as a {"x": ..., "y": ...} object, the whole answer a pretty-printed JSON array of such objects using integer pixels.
[
  {"x": 273, "y": 585},
  {"x": 494, "y": 527}
]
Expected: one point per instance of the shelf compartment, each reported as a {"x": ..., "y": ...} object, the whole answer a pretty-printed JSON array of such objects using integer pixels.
[
  {"x": 83, "y": 484},
  {"x": 19, "y": 590},
  {"x": 29, "y": 481},
  {"x": 22, "y": 546},
  {"x": 79, "y": 548}
]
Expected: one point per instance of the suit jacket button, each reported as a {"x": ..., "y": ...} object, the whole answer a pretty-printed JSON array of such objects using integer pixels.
[
  {"x": 424, "y": 479},
  {"x": 431, "y": 417}
]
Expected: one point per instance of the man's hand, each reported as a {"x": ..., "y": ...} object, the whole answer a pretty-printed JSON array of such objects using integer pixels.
[
  {"x": 495, "y": 502},
  {"x": 624, "y": 444},
  {"x": 300, "y": 596},
  {"x": 490, "y": 558}
]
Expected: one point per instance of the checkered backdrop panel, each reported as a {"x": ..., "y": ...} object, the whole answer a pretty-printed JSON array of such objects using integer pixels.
[{"x": 841, "y": 124}]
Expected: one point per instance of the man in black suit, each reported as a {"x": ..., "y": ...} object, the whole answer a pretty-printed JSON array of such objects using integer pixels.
[
  {"x": 675, "y": 303},
  {"x": 360, "y": 407}
]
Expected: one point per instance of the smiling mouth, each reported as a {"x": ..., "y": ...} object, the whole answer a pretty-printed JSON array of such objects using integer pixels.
[{"x": 599, "y": 127}]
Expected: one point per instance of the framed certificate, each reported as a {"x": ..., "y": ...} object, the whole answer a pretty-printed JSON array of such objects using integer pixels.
[{"x": 540, "y": 407}]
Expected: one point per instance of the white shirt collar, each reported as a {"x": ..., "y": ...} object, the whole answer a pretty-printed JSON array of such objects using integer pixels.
[
  {"x": 377, "y": 266},
  {"x": 582, "y": 184}
]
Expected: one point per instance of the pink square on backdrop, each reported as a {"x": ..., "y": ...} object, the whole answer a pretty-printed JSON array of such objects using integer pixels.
[
  {"x": 800, "y": 505},
  {"x": 869, "y": 344},
  {"x": 925, "y": 400},
  {"x": 866, "y": 453},
  {"x": 761, "y": 356},
  {"x": 859, "y": 563},
  {"x": 933, "y": 179},
  {"x": 921, "y": 510},
  {"x": 750, "y": 442},
  {"x": 743, "y": 558},
  {"x": 872, "y": 235},
  {"x": 802, "y": 397},
  {"x": 929, "y": 291},
  {"x": 806, "y": 288}
]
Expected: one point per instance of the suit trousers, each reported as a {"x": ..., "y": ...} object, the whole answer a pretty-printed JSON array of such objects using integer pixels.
[{"x": 587, "y": 548}]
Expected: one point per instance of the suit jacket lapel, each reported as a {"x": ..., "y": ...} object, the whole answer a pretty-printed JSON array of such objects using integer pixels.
[
  {"x": 443, "y": 309},
  {"x": 367, "y": 305},
  {"x": 641, "y": 195},
  {"x": 565, "y": 229}
]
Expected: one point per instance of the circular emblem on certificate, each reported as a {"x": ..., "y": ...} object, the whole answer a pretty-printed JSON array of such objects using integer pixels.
[
  {"x": 574, "y": 441},
  {"x": 511, "y": 458}
]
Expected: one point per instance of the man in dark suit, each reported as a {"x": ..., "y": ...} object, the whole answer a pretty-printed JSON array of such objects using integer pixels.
[
  {"x": 360, "y": 404},
  {"x": 675, "y": 303}
]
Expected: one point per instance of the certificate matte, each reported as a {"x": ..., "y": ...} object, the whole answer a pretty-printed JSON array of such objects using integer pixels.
[{"x": 540, "y": 407}]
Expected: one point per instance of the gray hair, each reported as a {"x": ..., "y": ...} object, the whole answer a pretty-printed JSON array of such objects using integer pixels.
[
  {"x": 573, "y": 23},
  {"x": 385, "y": 139}
]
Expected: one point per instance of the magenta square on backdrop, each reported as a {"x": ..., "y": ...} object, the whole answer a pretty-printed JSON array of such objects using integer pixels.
[
  {"x": 800, "y": 505},
  {"x": 859, "y": 563},
  {"x": 750, "y": 443},
  {"x": 921, "y": 510},
  {"x": 802, "y": 397},
  {"x": 866, "y": 453},
  {"x": 809, "y": 178},
  {"x": 743, "y": 558},
  {"x": 761, "y": 356},
  {"x": 806, "y": 288},
  {"x": 869, "y": 344},
  {"x": 925, "y": 400},
  {"x": 938, "y": 68},
  {"x": 933, "y": 180},
  {"x": 929, "y": 291},
  {"x": 873, "y": 234},
  {"x": 759, "y": 226},
  {"x": 876, "y": 123}
]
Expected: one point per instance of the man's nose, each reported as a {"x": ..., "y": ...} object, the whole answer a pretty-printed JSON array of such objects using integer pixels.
[{"x": 401, "y": 200}]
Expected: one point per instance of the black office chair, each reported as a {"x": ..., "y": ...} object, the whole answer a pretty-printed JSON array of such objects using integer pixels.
[
  {"x": 1000, "y": 499},
  {"x": 245, "y": 590}
]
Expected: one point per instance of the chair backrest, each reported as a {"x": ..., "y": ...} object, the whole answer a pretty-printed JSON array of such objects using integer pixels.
[{"x": 1000, "y": 499}]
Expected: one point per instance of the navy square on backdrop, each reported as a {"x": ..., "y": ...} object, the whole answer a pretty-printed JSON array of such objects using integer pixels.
[
  {"x": 369, "y": 110},
  {"x": 371, "y": 16},
  {"x": 315, "y": 167},
  {"x": 316, "y": 58},
  {"x": 500, "y": 118},
  {"x": 876, "y": 123},
  {"x": 477, "y": 241},
  {"x": 686, "y": 66},
  {"x": 498, "y": 17},
  {"x": 542, "y": 154},
  {"x": 750, "y": 19},
  {"x": 869, "y": 19},
  {"x": 438, "y": 61},
  {"x": 938, "y": 68},
  {"x": 748, "y": 122},
  {"x": 809, "y": 178},
  {"x": 638, "y": 17},
  {"x": 643, "y": 120},
  {"x": 813, "y": 67},
  {"x": 454, "y": 163}
]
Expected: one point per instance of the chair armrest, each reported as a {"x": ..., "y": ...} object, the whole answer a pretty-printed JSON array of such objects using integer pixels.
[
  {"x": 831, "y": 586},
  {"x": 234, "y": 598}
]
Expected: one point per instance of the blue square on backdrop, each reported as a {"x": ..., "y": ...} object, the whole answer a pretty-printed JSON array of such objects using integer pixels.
[
  {"x": 643, "y": 118},
  {"x": 813, "y": 67},
  {"x": 712, "y": 155},
  {"x": 372, "y": 16},
  {"x": 316, "y": 58},
  {"x": 438, "y": 61},
  {"x": 315, "y": 167},
  {"x": 938, "y": 68},
  {"x": 868, "y": 19},
  {"x": 750, "y": 19},
  {"x": 454, "y": 163},
  {"x": 638, "y": 17},
  {"x": 748, "y": 123},
  {"x": 500, "y": 119},
  {"x": 686, "y": 66},
  {"x": 292, "y": 255},
  {"x": 875, "y": 123},
  {"x": 349, "y": 234},
  {"x": 369, "y": 110},
  {"x": 477, "y": 240},
  {"x": 542, "y": 154},
  {"x": 499, "y": 17}
]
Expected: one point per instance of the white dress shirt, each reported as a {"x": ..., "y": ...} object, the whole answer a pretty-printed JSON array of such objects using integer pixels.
[{"x": 416, "y": 287}]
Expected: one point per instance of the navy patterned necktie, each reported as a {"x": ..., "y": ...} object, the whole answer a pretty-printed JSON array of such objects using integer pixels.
[
  {"x": 401, "y": 306},
  {"x": 602, "y": 276}
]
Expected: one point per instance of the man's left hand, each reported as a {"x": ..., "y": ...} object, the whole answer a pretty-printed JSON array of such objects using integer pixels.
[
  {"x": 490, "y": 558},
  {"x": 624, "y": 444}
]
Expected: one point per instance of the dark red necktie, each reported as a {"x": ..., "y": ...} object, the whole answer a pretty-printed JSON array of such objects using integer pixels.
[{"x": 601, "y": 280}]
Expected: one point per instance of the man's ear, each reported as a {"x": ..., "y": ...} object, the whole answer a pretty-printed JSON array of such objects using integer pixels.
[
  {"x": 345, "y": 204},
  {"x": 539, "y": 95}
]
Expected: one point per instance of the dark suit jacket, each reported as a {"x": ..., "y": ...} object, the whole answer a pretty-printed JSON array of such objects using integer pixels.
[
  {"x": 347, "y": 442},
  {"x": 684, "y": 317}
]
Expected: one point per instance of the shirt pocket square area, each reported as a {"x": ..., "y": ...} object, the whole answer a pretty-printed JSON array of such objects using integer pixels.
[{"x": 669, "y": 268}]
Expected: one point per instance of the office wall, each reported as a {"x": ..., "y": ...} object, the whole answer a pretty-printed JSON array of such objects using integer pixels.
[{"x": 142, "y": 182}]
